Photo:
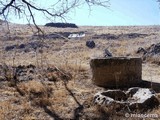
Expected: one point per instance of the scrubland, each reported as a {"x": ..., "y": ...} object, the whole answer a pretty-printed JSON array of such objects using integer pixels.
[{"x": 67, "y": 91}]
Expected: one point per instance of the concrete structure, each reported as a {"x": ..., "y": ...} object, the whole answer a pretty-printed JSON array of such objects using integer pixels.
[
  {"x": 76, "y": 35},
  {"x": 116, "y": 72}
]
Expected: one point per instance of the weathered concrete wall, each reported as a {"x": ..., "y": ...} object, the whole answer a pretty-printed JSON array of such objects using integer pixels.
[{"x": 116, "y": 71}]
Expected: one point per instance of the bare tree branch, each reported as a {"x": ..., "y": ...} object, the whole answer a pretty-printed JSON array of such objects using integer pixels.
[
  {"x": 58, "y": 8},
  {"x": 39, "y": 30},
  {"x": 7, "y": 6}
]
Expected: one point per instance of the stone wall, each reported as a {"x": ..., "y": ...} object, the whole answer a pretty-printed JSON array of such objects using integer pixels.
[{"x": 116, "y": 71}]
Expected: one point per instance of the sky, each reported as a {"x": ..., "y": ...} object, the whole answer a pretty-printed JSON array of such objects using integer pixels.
[{"x": 120, "y": 13}]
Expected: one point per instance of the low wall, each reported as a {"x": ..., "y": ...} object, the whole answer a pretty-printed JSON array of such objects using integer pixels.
[{"x": 116, "y": 71}]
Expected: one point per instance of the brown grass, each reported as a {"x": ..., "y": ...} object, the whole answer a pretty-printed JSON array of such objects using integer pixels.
[{"x": 57, "y": 98}]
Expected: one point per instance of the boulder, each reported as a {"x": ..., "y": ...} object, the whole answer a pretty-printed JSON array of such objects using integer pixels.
[
  {"x": 90, "y": 44},
  {"x": 141, "y": 98},
  {"x": 150, "y": 52},
  {"x": 154, "y": 49},
  {"x": 116, "y": 72},
  {"x": 136, "y": 99}
]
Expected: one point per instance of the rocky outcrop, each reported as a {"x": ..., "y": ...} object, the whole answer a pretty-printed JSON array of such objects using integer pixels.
[
  {"x": 58, "y": 35},
  {"x": 153, "y": 50},
  {"x": 141, "y": 98},
  {"x": 106, "y": 36},
  {"x": 25, "y": 73},
  {"x": 120, "y": 36},
  {"x": 76, "y": 35},
  {"x": 27, "y": 47},
  {"x": 135, "y": 98},
  {"x": 22, "y": 73}
]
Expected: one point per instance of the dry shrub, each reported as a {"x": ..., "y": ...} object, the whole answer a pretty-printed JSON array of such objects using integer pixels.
[
  {"x": 52, "y": 77},
  {"x": 77, "y": 67},
  {"x": 35, "y": 88},
  {"x": 28, "y": 117},
  {"x": 36, "y": 92},
  {"x": 7, "y": 110},
  {"x": 27, "y": 109},
  {"x": 41, "y": 102},
  {"x": 94, "y": 113},
  {"x": 60, "y": 75},
  {"x": 73, "y": 70},
  {"x": 4, "y": 109}
]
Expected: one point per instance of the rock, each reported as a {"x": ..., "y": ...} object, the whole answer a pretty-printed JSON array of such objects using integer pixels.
[
  {"x": 106, "y": 36},
  {"x": 135, "y": 35},
  {"x": 135, "y": 98},
  {"x": 150, "y": 52},
  {"x": 28, "y": 46},
  {"x": 141, "y": 50},
  {"x": 119, "y": 36},
  {"x": 102, "y": 99},
  {"x": 11, "y": 47},
  {"x": 21, "y": 46},
  {"x": 154, "y": 49},
  {"x": 31, "y": 66},
  {"x": 25, "y": 73},
  {"x": 132, "y": 91},
  {"x": 142, "y": 98},
  {"x": 90, "y": 44},
  {"x": 115, "y": 94},
  {"x": 107, "y": 53},
  {"x": 116, "y": 72}
]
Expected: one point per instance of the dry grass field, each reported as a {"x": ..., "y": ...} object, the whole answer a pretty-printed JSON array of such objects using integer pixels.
[{"x": 61, "y": 86}]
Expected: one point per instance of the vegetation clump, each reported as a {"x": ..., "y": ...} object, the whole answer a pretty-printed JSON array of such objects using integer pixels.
[{"x": 61, "y": 25}]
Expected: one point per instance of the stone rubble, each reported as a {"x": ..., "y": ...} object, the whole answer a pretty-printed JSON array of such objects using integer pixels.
[{"x": 134, "y": 98}]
